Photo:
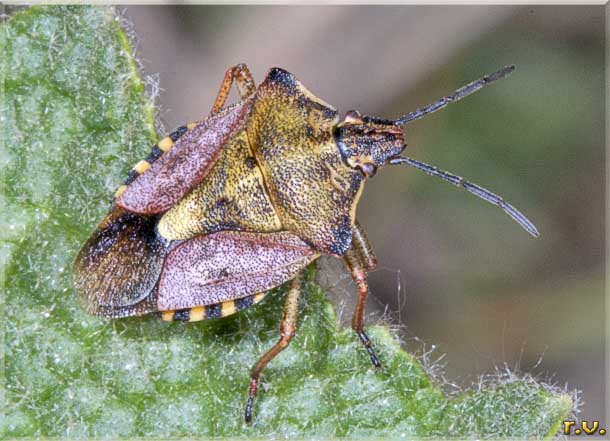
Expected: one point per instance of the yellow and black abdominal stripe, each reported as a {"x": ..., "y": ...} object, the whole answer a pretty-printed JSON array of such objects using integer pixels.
[
  {"x": 211, "y": 311},
  {"x": 157, "y": 151}
]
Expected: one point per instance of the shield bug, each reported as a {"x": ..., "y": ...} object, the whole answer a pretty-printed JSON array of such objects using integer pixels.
[{"x": 229, "y": 207}]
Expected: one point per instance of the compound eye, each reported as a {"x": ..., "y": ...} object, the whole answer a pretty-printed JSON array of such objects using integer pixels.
[
  {"x": 353, "y": 117},
  {"x": 368, "y": 169}
]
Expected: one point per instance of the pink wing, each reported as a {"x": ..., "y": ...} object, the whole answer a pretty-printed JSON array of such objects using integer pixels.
[
  {"x": 185, "y": 165},
  {"x": 229, "y": 265}
]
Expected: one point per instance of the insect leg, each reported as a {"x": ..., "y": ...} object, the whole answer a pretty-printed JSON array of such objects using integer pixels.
[
  {"x": 245, "y": 85},
  {"x": 359, "y": 275},
  {"x": 363, "y": 248},
  {"x": 287, "y": 328}
]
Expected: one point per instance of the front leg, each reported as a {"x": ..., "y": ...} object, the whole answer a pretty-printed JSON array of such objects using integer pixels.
[
  {"x": 363, "y": 247},
  {"x": 360, "y": 259}
]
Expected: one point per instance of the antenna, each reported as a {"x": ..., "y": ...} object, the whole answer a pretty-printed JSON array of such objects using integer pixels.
[
  {"x": 462, "y": 92},
  {"x": 472, "y": 188}
]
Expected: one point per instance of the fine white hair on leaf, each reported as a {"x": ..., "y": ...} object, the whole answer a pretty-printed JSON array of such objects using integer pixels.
[
  {"x": 152, "y": 83},
  {"x": 503, "y": 375}
]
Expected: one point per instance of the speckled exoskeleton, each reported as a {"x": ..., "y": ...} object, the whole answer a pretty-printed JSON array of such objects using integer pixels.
[{"x": 229, "y": 207}]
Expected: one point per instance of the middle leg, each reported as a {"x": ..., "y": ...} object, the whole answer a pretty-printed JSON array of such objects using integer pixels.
[
  {"x": 287, "y": 328},
  {"x": 245, "y": 85}
]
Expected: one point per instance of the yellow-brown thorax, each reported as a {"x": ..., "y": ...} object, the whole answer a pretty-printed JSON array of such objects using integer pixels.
[{"x": 281, "y": 171}]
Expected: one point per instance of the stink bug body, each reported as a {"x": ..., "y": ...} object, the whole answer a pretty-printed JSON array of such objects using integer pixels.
[{"x": 227, "y": 208}]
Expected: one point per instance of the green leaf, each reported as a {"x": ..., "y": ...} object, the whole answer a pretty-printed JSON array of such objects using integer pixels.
[{"x": 74, "y": 119}]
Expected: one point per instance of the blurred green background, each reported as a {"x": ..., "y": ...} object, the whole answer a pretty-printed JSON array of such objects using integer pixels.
[{"x": 455, "y": 274}]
